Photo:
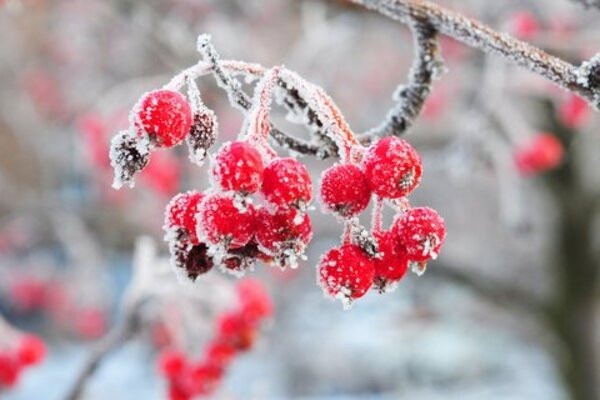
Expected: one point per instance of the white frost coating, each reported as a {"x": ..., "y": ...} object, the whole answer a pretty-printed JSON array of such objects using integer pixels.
[
  {"x": 418, "y": 268},
  {"x": 312, "y": 94},
  {"x": 194, "y": 96},
  {"x": 584, "y": 76},
  {"x": 256, "y": 125},
  {"x": 387, "y": 286},
  {"x": 123, "y": 147},
  {"x": 344, "y": 295},
  {"x": 240, "y": 202}
]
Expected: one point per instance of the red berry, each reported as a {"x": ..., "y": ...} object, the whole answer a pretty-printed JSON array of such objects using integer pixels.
[
  {"x": 220, "y": 353},
  {"x": 573, "y": 112},
  {"x": 541, "y": 153},
  {"x": 171, "y": 363},
  {"x": 392, "y": 167},
  {"x": 222, "y": 222},
  {"x": 346, "y": 272},
  {"x": 286, "y": 183},
  {"x": 165, "y": 116},
  {"x": 421, "y": 231},
  {"x": 163, "y": 173},
  {"x": 90, "y": 323},
  {"x": 27, "y": 293},
  {"x": 31, "y": 350},
  {"x": 393, "y": 262},
  {"x": 204, "y": 378},
  {"x": 234, "y": 329},
  {"x": 9, "y": 370},
  {"x": 254, "y": 299},
  {"x": 345, "y": 190},
  {"x": 181, "y": 212},
  {"x": 177, "y": 392},
  {"x": 285, "y": 230},
  {"x": 524, "y": 25},
  {"x": 239, "y": 167}
]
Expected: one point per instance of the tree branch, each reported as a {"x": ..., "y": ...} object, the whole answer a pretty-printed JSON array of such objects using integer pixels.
[
  {"x": 480, "y": 36},
  {"x": 113, "y": 340},
  {"x": 242, "y": 100},
  {"x": 427, "y": 66}
]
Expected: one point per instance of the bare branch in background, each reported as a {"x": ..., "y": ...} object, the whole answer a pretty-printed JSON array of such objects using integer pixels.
[
  {"x": 115, "y": 339},
  {"x": 589, "y": 3},
  {"x": 495, "y": 293}
]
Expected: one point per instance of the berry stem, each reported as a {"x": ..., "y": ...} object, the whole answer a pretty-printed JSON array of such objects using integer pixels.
[
  {"x": 377, "y": 217},
  {"x": 196, "y": 102},
  {"x": 258, "y": 127}
]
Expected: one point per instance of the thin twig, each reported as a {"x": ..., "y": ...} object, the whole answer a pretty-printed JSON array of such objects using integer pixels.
[{"x": 243, "y": 101}]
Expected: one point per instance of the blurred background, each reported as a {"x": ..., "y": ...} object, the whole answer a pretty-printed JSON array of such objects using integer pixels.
[{"x": 508, "y": 311}]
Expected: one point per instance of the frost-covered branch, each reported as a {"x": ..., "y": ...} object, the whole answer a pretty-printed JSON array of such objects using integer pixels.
[
  {"x": 481, "y": 36},
  {"x": 239, "y": 98},
  {"x": 588, "y": 74},
  {"x": 427, "y": 66}
]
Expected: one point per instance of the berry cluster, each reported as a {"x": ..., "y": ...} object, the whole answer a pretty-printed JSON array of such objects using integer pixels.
[
  {"x": 30, "y": 351},
  {"x": 161, "y": 118},
  {"x": 228, "y": 226},
  {"x": 235, "y": 333},
  {"x": 223, "y": 226},
  {"x": 391, "y": 169}
]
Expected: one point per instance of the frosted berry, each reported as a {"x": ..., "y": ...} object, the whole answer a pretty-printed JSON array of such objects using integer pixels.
[
  {"x": 391, "y": 263},
  {"x": 541, "y": 153},
  {"x": 239, "y": 259},
  {"x": 421, "y": 232},
  {"x": 283, "y": 230},
  {"x": 128, "y": 155},
  {"x": 203, "y": 134},
  {"x": 165, "y": 116},
  {"x": 238, "y": 166},
  {"x": 222, "y": 223},
  {"x": 392, "y": 167},
  {"x": 181, "y": 212},
  {"x": 198, "y": 261},
  {"x": 346, "y": 273},
  {"x": 171, "y": 363},
  {"x": 286, "y": 183},
  {"x": 345, "y": 190},
  {"x": 31, "y": 350}
]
